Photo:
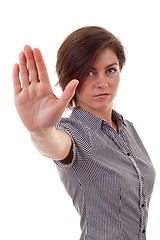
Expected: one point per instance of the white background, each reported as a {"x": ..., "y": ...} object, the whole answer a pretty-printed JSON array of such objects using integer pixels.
[{"x": 33, "y": 202}]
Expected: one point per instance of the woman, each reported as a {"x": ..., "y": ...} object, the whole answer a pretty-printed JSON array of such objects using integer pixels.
[{"x": 99, "y": 155}]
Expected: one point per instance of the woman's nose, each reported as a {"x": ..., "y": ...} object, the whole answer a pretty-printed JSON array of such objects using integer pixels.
[{"x": 102, "y": 82}]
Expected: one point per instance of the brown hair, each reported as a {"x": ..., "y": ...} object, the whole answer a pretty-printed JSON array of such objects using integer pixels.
[{"x": 79, "y": 51}]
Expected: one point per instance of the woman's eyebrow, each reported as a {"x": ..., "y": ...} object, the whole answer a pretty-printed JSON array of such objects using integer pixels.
[{"x": 110, "y": 65}]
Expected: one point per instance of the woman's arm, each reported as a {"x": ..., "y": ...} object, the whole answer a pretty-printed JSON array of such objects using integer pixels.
[
  {"x": 53, "y": 143},
  {"x": 38, "y": 107}
]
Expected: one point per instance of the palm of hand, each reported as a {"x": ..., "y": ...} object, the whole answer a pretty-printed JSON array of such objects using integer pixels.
[{"x": 35, "y": 101}]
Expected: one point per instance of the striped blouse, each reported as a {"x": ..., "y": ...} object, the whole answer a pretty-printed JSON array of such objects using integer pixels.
[{"x": 110, "y": 179}]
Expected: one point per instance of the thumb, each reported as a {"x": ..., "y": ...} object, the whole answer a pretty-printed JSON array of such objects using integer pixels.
[{"x": 69, "y": 92}]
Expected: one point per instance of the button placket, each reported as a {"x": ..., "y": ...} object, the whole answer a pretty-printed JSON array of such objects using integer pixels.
[{"x": 126, "y": 149}]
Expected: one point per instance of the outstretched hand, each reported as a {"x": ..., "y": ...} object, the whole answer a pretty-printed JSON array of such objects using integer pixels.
[{"x": 37, "y": 105}]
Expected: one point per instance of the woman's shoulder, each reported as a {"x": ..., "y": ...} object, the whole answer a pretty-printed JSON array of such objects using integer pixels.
[
  {"x": 128, "y": 123},
  {"x": 131, "y": 129},
  {"x": 75, "y": 128},
  {"x": 79, "y": 135},
  {"x": 69, "y": 122}
]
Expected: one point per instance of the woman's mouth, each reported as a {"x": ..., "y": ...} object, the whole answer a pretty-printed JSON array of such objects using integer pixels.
[{"x": 102, "y": 95}]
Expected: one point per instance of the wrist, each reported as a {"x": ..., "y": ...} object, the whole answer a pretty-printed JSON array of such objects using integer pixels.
[{"x": 41, "y": 133}]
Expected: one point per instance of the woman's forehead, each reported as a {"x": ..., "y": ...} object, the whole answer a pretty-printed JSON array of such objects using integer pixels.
[{"x": 107, "y": 56}]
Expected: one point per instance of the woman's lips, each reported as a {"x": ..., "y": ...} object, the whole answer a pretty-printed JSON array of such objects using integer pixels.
[{"x": 102, "y": 95}]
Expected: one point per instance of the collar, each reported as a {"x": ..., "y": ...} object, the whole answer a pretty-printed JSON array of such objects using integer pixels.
[{"x": 94, "y": 122}]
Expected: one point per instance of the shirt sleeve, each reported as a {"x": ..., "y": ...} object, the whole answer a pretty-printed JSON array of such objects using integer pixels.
[{"x": 81, "y": 141}]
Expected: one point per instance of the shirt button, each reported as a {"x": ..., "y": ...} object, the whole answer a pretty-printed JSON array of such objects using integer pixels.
[
  {"x": 143, "y": 231},
  {"x": 142, "y": 205},
  {"x": 128, "y": 154}
]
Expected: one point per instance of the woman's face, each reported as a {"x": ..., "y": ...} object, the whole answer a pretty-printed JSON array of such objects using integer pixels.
[{"x": 100, "y": 87}]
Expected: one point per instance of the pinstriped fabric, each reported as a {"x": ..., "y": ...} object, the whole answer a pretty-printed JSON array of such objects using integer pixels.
[{"x": 110, "y": 179}]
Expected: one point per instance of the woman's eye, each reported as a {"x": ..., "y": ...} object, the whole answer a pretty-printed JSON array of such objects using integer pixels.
[
  {"x": 90, "y": 74},
  {"x": 111, "y": 70}
]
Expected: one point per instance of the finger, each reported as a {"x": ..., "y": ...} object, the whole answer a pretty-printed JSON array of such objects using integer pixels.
[
  {"x": 23, "y": 70},
  {"x": 31, "y": 64},
  {"x": 68, "y": 92},
  {"x": 16, "y": 80},
  {"x": 40, "y": 64}
]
